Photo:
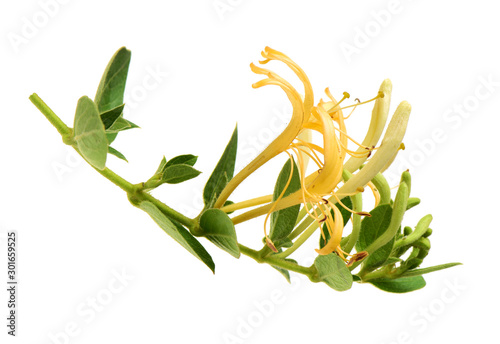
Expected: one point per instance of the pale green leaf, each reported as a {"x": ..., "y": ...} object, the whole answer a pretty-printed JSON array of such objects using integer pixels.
[{"x": 90, "y": 136}]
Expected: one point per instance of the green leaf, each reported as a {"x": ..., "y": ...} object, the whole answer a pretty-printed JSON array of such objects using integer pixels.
[
  {"x": 109, "y": 117},
  {"x": 418, "y": 272},
  {"x": 333, "y": 271},
  {"x": 116, "y": 153},
  {"x": 219, "y": 229},
  {"x": 175, "y": 174},
  {"x": 162, "y": 166},
  {"x": 178, "y": 233},
  {"x": 346, "y": 215},
  {"x": 222, "y": 173},
  {"x": 400, "y": 285},
  {"x": 374, "y": 226},
  {"x": 121, "y": 124},
  {"x": 371, "y": 229},
  {"x": 187, "y": 159},
  {"x": 283, "y": 221},
  {"x": 379, "y": 257},
  {"x": 110, "y": 92},
  {"x": 90, "y": 136}
]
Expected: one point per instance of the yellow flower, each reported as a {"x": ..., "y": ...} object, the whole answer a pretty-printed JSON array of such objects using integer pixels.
[
  {"x": 320, "y": 189},
  {"x": 301, "y": 112}
]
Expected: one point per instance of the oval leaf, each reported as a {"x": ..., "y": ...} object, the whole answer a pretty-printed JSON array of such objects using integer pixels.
[
  {"x": 371, "y": 229},
  {"x": 400, "y": 285},
  {"x": 178, "y": 233},
  {"x": 90, "y": 136},
  {"x": 333, "y": 271},
  {"x": 187, "y": 159},
  {"x": 219, "y": 229},
  {"x": 111, "y": 88},
  {"x": 179, "y": 173}
]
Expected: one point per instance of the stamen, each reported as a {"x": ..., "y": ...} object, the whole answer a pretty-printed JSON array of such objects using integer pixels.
[
  {"x": 329, "y": 94},
  {"x": 379, "y": 95},
  {"x": 354, "y": 141},
  {"x": 310, "y": 154},
  {"x": 346, "y": 117},
  {"x": 376, "y": 194},
  {"x": 304, "y": 188}
]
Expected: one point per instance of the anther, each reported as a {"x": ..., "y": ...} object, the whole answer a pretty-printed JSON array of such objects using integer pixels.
[{"x": 357, "y": 257}]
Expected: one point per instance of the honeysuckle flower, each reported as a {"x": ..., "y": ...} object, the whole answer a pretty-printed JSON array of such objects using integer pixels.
[
  {"x": 377, "y": 125},
  {"x": 301, "y": 113},
  {"x": 321, "y": 189}
]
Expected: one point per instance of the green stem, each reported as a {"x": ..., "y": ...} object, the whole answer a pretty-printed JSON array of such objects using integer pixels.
[
  {"x": 116, "y": 179},
  {"x": 135, "y": 192},
  {"x": 63, "y": 129},
  {"x": 275, "y": 261}
]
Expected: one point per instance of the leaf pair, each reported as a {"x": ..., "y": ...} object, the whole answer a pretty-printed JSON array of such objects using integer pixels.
[
  {"x": 98, "y": 122},
  {"x": 174, "y": 171},
  {"x": 215, "y": 224}
]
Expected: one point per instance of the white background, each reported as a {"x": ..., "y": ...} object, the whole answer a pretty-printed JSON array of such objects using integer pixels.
[{"x": 76, "y": 230}]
